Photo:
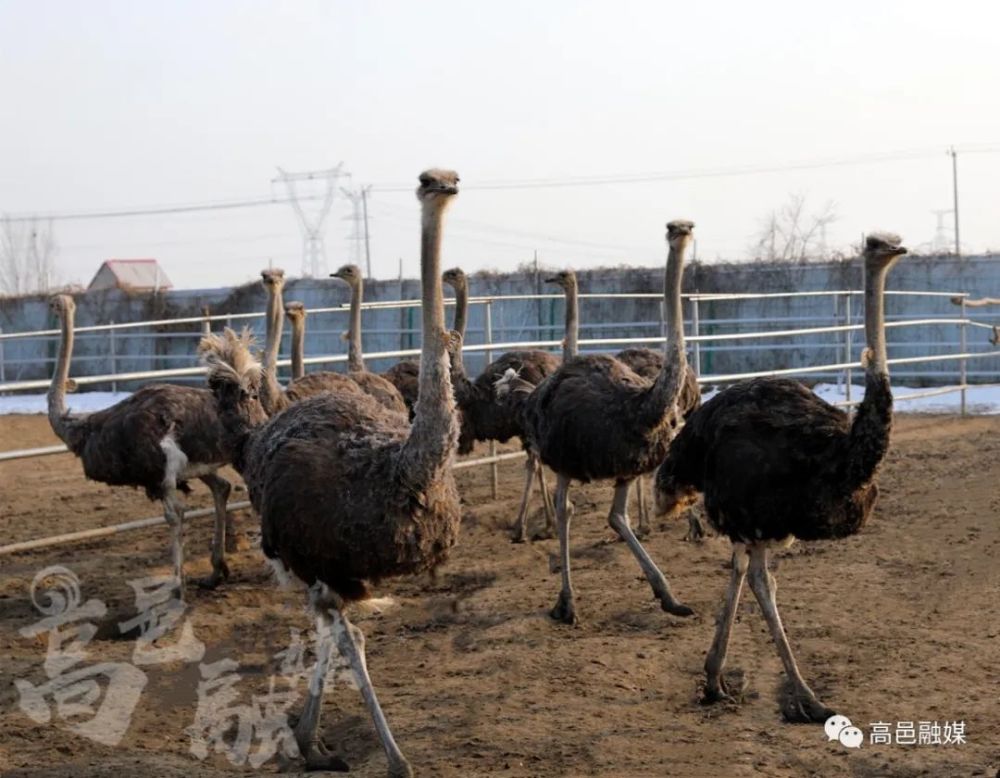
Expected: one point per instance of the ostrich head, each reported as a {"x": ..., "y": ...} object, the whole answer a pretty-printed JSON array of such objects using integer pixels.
[
  {"x": 679, "y": 232},
  {"x": 61, "y": 305},
  {"x": 455, "y": 278},
  {"x": 234, "y": 375},
  {"x": 295, "y": 310},
  {"x": 564, "y": 278},
  {"x": 350, "y": 274},
  {"x": 437, "y": 186},
  {"x": 883, "y": 249},
  {"x": 273, "y": 278}
]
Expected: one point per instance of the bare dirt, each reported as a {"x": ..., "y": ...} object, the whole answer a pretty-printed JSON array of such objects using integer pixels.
[{"x": 900, "y": 623}]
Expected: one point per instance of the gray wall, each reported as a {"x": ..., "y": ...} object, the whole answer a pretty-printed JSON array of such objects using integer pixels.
[{"x": 519, "y": 320}]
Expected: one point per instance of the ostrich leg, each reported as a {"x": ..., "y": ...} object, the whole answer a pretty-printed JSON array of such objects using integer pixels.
[
  {"x": 803, "y": 706},
  {"x": 564, "y": 610},
  {"x": 220, "y": 494},
  {"x": 521, "y": 526},
  {"x": 618, "y": 519},
  {"x": 350, "y": 643},
  {"x": 173, "y": 512},
  {"x": 549, "y": 530},
  {"x": 310, "y": 747},
  {"x": 640, "y": 498},
  {"x": 715, "y": 685}
]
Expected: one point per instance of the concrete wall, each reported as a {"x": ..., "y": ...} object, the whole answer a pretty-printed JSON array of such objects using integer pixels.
[{"x": 521, "y": 320}]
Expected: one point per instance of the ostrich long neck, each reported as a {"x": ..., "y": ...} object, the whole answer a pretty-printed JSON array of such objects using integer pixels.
[
  {"x": 869, "y": 438},
  {"x": 667, "y": 388},
  {"x": 298, "y": 346},
  {"x": 461, "y": 314},
  {"x": 57, "y": 390},
  {"x": 355, "y": 362},
  {"x": 271, "y": 395},
  {"x": 570, "y": 347},
  {"x": 434, "y": 435}
]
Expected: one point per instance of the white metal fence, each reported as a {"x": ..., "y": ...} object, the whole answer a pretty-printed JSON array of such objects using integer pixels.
[{"x": 841, "y": 341}]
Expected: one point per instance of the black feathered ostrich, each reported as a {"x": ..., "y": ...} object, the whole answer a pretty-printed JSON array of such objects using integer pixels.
[
  {"x": 596, "y": 419},
  {"x": 272, "y": 397},
  {"x": 349, "y": 493},
  {"x": 483, "y": 418},
  {"x": 371, "y": 383},
  {"x": 157, "y": 439},
  {"x": 776, "y": 462},
  {"x": 405, "y": 375}
]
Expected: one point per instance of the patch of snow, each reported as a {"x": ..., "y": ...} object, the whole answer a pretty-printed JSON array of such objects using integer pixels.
[{"x": 84, "y": 402}]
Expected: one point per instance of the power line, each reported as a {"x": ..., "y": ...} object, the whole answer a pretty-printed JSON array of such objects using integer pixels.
[
  {"x": 679, "y": 175},
  {"x": 536, "y": 183}
]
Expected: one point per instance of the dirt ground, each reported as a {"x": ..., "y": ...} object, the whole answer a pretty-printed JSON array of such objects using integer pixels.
[{"x": 900, "y": 623}]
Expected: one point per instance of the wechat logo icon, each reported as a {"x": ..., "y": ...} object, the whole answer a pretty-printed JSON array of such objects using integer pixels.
[{"x": 839, "y": 727}]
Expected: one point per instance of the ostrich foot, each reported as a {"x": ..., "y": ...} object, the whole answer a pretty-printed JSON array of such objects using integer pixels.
[
  {"x": 696, "y": 530},
  {"x": 670, "y": 604},
  {"x": 800, "y": 706},
  {"x": 219, "y": 574},
  {"x": 723, "y": 689},
  {"x": 518, "y": 534},
  {"x": 564, "y": 609},
  {"x": 642, "y": 531},
  {"x": 317, "y": 758}
]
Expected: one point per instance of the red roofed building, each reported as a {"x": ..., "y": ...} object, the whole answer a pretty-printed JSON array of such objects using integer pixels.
[{"x": 133, "y": 275}]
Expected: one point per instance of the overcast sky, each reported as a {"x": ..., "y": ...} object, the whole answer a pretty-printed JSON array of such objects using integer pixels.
[{"x": 109, "y": 105}]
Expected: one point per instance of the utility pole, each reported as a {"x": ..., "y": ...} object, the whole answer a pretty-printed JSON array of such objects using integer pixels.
[
  {"x": 954, "y": 189},
  {"x": 359, "y": 200},
  {"x": 313, "y": 225}
]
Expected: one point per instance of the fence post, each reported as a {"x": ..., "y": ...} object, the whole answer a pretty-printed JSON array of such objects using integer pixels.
[
  {"x": 114, "y": 358},
  {"x": 206, "y": 324},
  {"x": 963, "y": 345},
  {"x": 3, "y": 369},
  {"x": 848, "y": 346},
  {"x": 696, "y": 327},
  {"x": 494, "y": 470}
]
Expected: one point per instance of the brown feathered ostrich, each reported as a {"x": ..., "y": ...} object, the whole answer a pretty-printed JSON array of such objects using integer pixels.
[
  {"x": 642, "y": 361},
  {"x": 648, "y": 363},
  {"x": 483, "y": 418},
  {"x": 596, "y": 419},
  {"x": 371, "y": 383},
  {"x": 776, "y": 462},
  {"x": 405, "y": 375},
  {"x": 348, "y": 492},
  {"x": 157, "y": 439},
  {"x": 273, "y": 398}
]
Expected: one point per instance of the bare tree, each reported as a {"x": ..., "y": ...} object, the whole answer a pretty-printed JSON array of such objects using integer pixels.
[
  {"x": 790, "y": 234},
  {"x": 27, "y": 256}
]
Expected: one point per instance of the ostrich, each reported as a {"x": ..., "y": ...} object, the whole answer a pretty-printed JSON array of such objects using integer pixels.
[
  {"x": 648, "y": 363},
  {"x": 272, "y": 397},
  {"x": 596, "y": 419},
  {"x": 775, "y": 462},
  {"x": 157, "y": 439},
  {"x": 482, "y": 418},
  {"x": 377, "y": 386},
  {"x": 348, "y": 492},
  {"x": 405, "y": 375}
]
